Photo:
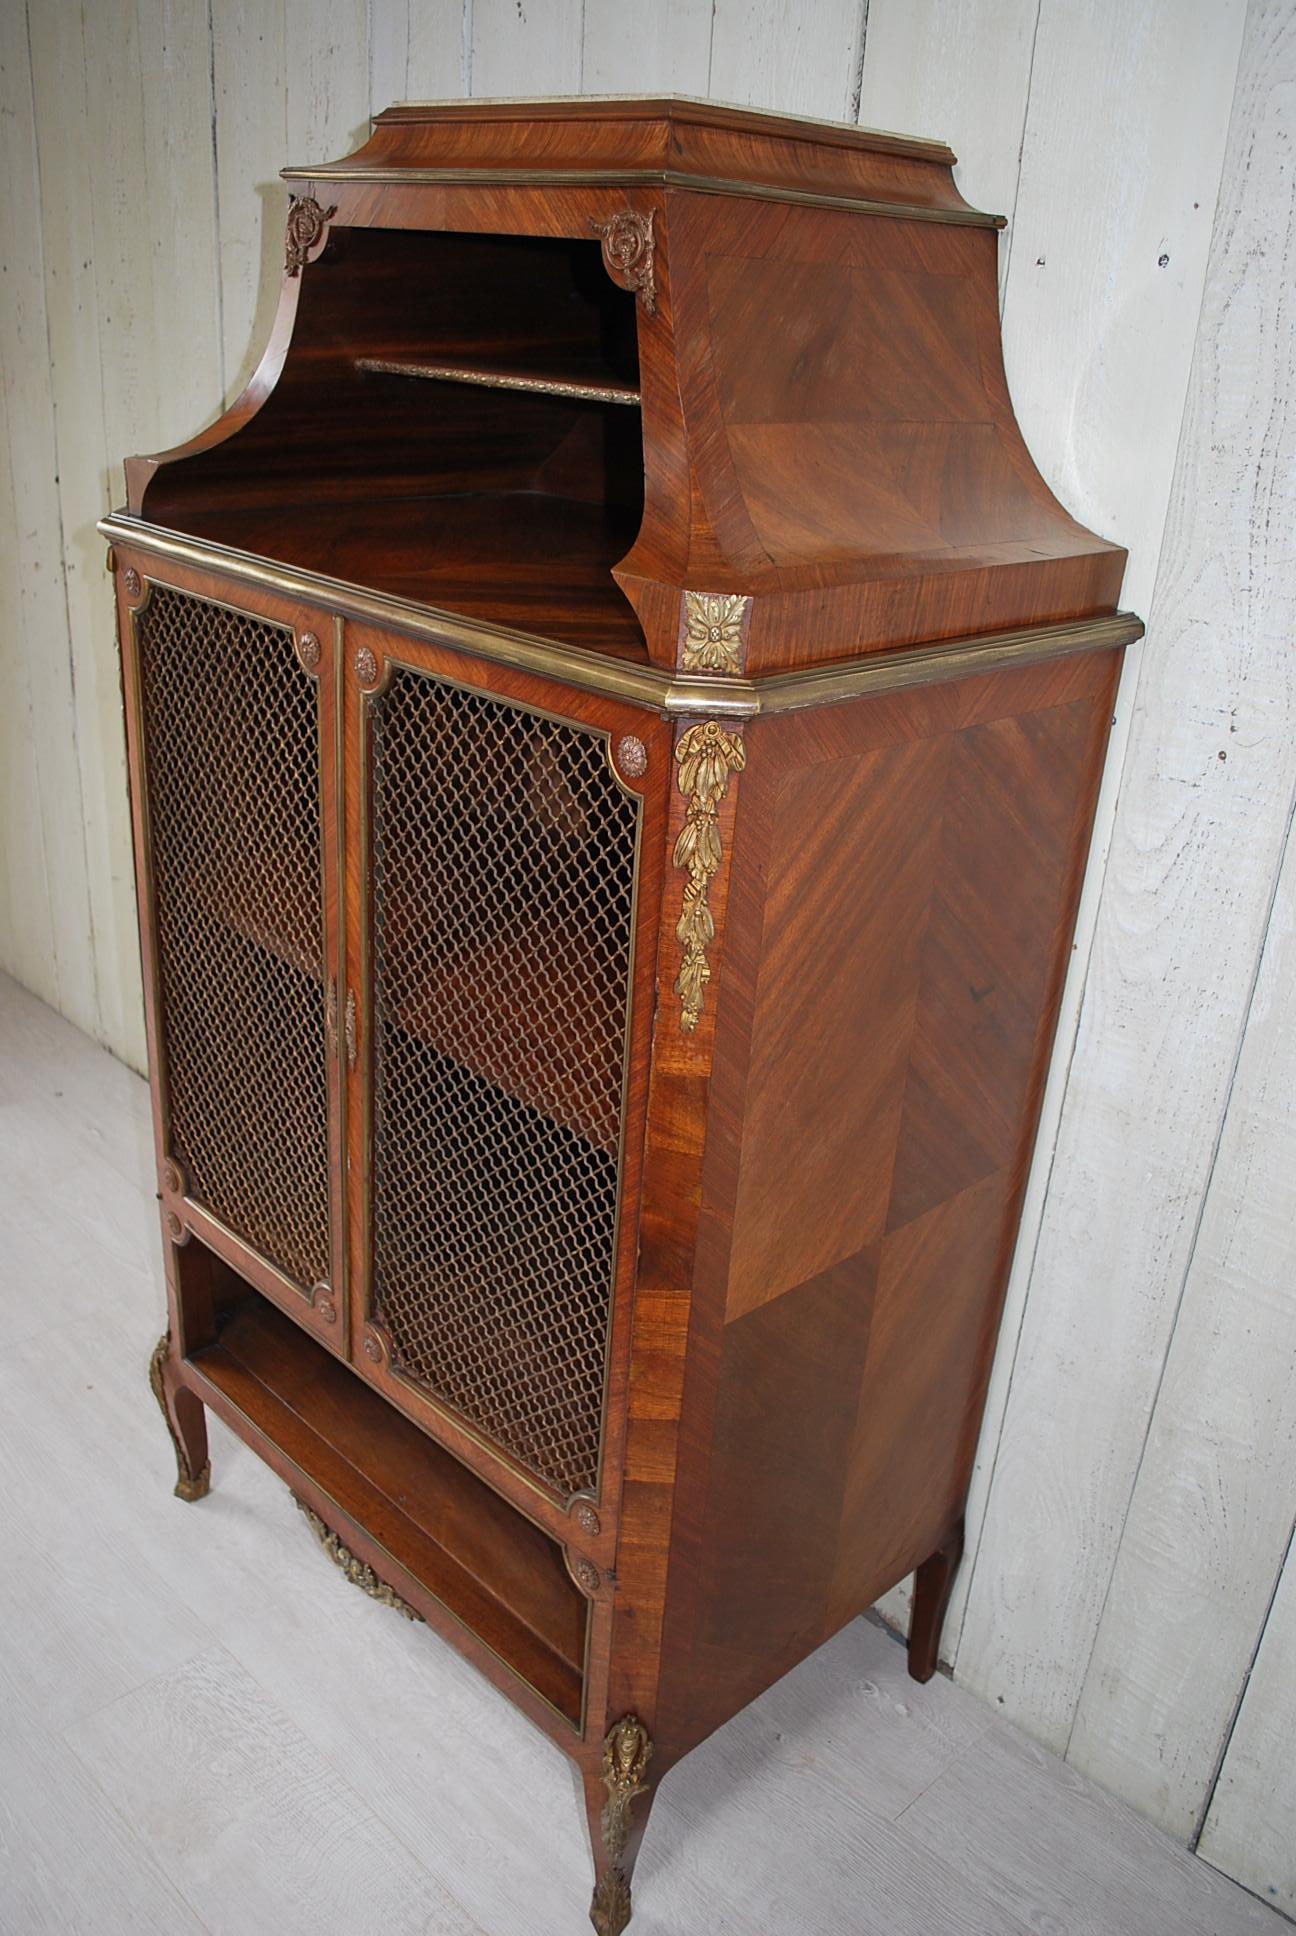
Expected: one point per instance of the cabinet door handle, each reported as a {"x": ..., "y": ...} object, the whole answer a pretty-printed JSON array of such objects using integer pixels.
[
  {"x": 330, "y": 1017},
  {"x": 351, "y": 1028}
]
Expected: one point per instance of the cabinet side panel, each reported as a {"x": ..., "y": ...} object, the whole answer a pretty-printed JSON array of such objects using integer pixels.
[{"x": 910, "y": 867}]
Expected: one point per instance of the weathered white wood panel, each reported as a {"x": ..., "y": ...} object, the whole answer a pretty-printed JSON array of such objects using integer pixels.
[
  {"x": 1212, "y": 1508},
  {"x": 1212, "y": 1511},
  {"x": 291, "y": 86},
  {"x": 1090, "y": 315},
  {"x": 131, "y": 325},
  {"x": 958, "y": 71},
  {"x": 45, "y": 931},
  {"x": 1249, "y": 1831},
  {"x": 779, "y": 54},
  {"x": 525, "y": 47},
  {"x": 639, "y": 49},
  {"x": 417, "y": 51}
]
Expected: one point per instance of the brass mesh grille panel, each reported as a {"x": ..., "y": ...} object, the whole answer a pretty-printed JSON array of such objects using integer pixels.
[
  {"x": 232, "y": 763},
  {"x": 503, "y": 883}
]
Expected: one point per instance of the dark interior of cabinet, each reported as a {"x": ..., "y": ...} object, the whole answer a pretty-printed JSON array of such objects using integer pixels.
[
  {"x": 457, "y": 423},
  {"x": 489, "y": 1566}
]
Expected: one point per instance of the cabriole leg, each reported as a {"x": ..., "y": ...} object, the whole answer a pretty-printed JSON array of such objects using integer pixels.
[
  {"x": 933, "y": 1584},
  {"x": 616, "y": 1831},
  {"x": 186, "y": 1422}
]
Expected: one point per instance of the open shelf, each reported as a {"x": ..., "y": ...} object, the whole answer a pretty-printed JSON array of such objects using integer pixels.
[
  {"x": 536, "y": 562},
  {"x": 464, "y": 1546},
  {"x": 456, "y": 425}
]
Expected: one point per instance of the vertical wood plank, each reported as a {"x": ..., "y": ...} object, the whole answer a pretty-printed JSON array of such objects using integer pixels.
[
  {"x": 1212, "y": 1509},
  {"x": 525, "y": 47},
  {"x": 1248, "y": 1832},
  {"x": 658, "y": 45},
  {"x": 958, "y": 71},
  {"x": 291, "y": 86},
  {"x": 416, "y": 51},
  {"x": 45, "y": 930},
  {"x": 123, "y": 118},
  {"x": 778, "y": 54},
  {"x": 1184, "y": 903}
]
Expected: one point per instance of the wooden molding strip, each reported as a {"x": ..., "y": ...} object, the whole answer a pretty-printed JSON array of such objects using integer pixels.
[{"x": 342, "y": 171}]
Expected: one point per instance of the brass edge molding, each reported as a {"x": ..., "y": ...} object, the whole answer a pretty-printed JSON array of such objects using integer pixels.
[
  {"x": 973, "y": 218},
  {"x": 670, "y": 693},
  {"x": 927, "y": 665},
  {"x": 713, "y": 632},
  {"x": 628, "y": 250},
  {"x": 627, "y": 1750},
  {"x": 352, "y": 1567},
  {"x": 189, "y": 1485},
  {"x": 523, "y": 651},
  {"x": 707, "y": 756}
]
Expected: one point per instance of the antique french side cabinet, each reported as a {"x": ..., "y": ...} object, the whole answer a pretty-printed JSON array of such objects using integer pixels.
[{"x": 614, "y": 719}]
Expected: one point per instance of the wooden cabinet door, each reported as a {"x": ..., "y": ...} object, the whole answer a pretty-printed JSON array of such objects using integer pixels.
[
  {"x": 498, "y": 891},
  {"x": 232, "y": 739}
]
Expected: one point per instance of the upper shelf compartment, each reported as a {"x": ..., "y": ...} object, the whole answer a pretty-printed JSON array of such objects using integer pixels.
[
  {"x": 456, "y": 423},
  {"x": 559, "y": 365}
]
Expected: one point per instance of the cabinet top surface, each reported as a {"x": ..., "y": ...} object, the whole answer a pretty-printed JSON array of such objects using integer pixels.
[
  {"x": 678, "y": 109},
  {"x": 668, "y": 139}
]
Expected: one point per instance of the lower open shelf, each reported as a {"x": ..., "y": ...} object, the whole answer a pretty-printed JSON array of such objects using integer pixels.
[{"x": 456, "y": 1540}]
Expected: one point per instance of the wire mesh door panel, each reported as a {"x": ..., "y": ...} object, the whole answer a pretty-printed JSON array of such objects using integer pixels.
[
  {"x": 502, "y": 863},
  {"x": 232, "y": 771}
]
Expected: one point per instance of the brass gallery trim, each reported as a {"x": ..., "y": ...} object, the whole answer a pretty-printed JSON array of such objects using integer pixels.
[
  {"x": 549, "y": 386},
  {"x": 669, "y": 693},
  {"x": 358, "y": 1571},
  {"x": 967, "y": 218}
]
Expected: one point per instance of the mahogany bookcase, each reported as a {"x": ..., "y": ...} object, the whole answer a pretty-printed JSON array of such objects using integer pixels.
[{"x": 614, "y": 722}]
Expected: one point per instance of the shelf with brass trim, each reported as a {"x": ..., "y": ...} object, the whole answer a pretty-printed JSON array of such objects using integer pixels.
[
  {"x": 549, "y": 386},
  {"x": 671, "y": 693}
]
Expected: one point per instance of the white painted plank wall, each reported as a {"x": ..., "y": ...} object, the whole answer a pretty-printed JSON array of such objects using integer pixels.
[
  {"x": 1181, "y": 921},
  {"x": 141, "y": 236},
  {"x": 44, "y": 893},
  {"x": 1212, "y": 1509},
  {"x": 1248, "y": 1833}
]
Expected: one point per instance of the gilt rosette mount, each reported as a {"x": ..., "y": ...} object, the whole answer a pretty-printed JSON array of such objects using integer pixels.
[{"x": 713, "y": 626}]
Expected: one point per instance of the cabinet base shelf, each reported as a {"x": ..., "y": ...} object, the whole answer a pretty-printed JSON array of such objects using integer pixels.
[{"x": 463, "y": 1558}]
